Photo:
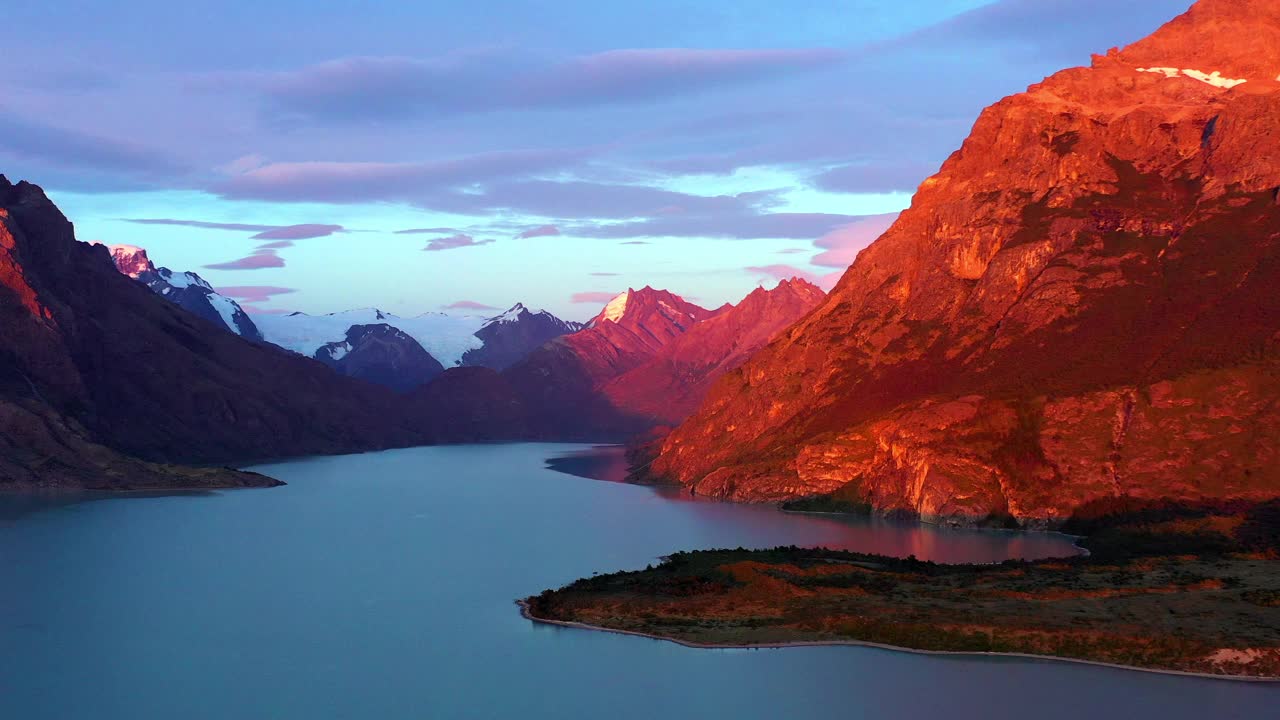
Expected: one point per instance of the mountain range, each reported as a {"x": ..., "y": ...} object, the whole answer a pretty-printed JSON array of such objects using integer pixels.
[{"x": 113, "y": 371}]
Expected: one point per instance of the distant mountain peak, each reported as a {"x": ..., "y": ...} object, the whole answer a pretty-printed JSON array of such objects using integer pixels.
[
  {"x": 131, "y": 260},
  {"x": 636, "y": 305}
]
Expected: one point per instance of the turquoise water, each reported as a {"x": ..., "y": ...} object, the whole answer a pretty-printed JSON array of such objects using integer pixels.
[{"x": 381, "y": 586}]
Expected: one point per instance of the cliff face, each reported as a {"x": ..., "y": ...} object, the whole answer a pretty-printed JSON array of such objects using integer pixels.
[
  {"x": 1080, "y": 305},
  {"x": 91, "y": 359}
]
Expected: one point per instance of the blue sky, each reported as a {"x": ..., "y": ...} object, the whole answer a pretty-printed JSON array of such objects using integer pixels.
[{"x": 424, "y": 155}]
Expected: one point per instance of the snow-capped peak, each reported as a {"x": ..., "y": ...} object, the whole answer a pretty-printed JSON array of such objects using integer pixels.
[
  {"x": 510, "y": 316},
  {"x": 617, "y": 307}
]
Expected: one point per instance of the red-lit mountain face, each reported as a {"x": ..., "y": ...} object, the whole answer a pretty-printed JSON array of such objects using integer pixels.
[
  {"x": 1081, "y": 305},
  {"x": 558, "y": 385},
  {"x": 668, "y": 387}
]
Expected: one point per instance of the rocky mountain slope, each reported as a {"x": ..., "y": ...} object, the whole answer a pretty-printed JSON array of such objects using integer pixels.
[
  {"x": 94, "y": 367},
  {"x": 381, "y": 354},
  {"x": 511, "y": 336},
  {"x": 1079, "y": 307},
  {"x": 186, "y": 290}
]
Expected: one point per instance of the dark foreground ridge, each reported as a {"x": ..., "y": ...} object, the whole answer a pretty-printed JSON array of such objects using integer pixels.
[{"x": 1193, "y": 589}]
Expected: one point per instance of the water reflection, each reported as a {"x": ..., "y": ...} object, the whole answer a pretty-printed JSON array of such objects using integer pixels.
[{"x": 877, "y": 535}]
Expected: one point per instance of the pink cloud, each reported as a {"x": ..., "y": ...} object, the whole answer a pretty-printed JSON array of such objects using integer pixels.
[
  {"x": 592, "y": 297},
  {"x": 543, "y": 231},
  {"x": 781, "y": 272},
  {"x": 258, "y": 261},
  {"x": 842, "y": 245},
  {"x": 453, "y": 242},
  {"x": 469, "y": 305},
  {"x": 277, "y": 245},
  {"x": 254, "y": 293},
  {"x": 609, "y": 274}
]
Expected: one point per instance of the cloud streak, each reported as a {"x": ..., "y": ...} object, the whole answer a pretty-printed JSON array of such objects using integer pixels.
[
  {"x": 254, "y": 293},
  {"x": 263, "y": 232},
  {"x": 365, "y": 88},
  {"x": 469, "y": 305},
  {"x": 543, "y": 231},
  {"x": 454, "y": 242},
  {"x": 260, "y": 260},
  {"x": 356, "y": 182}
]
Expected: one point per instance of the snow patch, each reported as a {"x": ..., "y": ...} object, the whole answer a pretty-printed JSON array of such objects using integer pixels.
[
  {"x": 227, "y": 309},
  {"x": 446, "y": 337},
  {"x": 339, "y": 351},
  {"x": 1214, "y": 78}
]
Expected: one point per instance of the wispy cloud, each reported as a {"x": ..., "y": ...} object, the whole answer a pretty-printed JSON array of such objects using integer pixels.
[
  {"x": 365, "y": 88},
  {"x": 355, "y": 182},
  {"x": 453, "y": 242},
  {"x": 263, "y": 232},
  {"x": 425, "y": 231}
]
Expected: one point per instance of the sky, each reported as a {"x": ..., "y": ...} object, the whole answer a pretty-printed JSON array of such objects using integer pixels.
[{"x": 461, "y": 157}]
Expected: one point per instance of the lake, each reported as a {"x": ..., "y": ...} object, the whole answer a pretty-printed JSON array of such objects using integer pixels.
[{"x": 382, "y": 585}]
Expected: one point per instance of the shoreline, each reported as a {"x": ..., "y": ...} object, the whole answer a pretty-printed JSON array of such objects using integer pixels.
[{"x": 525, "y": 613}]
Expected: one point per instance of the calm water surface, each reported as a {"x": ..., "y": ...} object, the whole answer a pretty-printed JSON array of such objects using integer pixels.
[{"x": 381, "y": 586}]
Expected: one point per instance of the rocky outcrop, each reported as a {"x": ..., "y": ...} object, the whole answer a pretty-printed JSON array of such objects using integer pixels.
[
  {"x": 92, "y": 360},
  {"x": 1079, "y": 306},
  {"x": 383, "y": 355},
  {"x": 187, "y": 290},
  {"x": 509, "y": 337}
]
